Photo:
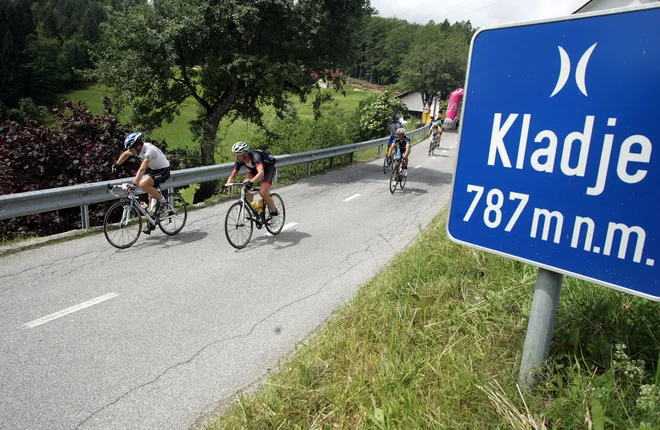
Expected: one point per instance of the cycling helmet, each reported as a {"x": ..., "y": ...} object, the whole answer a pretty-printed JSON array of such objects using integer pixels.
[
  {"x": 240, "y": 147},
  {"x": 401, "y": 130},
  {"x": 133, "y": 139}
]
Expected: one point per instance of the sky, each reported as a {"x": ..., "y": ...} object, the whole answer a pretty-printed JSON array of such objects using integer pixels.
[{"x": 481, "y": 13}]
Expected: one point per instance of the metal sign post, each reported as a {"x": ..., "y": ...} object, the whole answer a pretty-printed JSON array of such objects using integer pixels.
[{"x": 556, "y": 164}]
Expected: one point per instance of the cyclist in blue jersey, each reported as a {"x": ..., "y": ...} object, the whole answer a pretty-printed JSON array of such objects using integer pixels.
[{"x": 403, "y": 148}]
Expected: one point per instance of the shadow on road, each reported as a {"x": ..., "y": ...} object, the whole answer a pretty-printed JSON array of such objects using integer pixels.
[
  {"x": 285, "y": 239},
  {"x": 165, "y": 241}
]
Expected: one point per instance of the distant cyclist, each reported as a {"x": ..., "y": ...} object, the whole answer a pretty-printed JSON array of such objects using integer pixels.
[
  {"x": 403, "y": 148},
  {"x": 261, "y": 165},
  {"x": 152, "y": 158},
  {"x": 436, "y": 127},
  {"x": 393, "y": 126}
]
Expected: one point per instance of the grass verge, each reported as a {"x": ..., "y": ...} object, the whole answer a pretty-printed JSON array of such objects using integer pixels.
[{"x": 434, "y": 341}]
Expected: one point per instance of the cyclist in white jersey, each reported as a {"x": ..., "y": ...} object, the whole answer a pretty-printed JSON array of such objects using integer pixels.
[{"x": 152, "y": 158}]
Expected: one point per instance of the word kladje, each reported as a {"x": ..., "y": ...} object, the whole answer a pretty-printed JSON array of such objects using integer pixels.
[{"x": 583, "y": 139}]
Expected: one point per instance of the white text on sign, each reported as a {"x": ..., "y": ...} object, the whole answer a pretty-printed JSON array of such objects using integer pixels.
[
  {"x": 635, "y": 148},
  {"x": 584, "y": 228}
]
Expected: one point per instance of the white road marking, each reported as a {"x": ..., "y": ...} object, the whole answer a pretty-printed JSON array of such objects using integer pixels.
[
  {"x": 354, "y": 196},
  {"x": 433, "y": 158},
  {"x": 70, "y": 310},
  {"x": 289, "y": 225},
  {"x": 417, "y": 167}
]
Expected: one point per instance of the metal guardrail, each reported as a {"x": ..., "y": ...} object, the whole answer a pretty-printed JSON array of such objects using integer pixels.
[{"x": 34, "y": 202}]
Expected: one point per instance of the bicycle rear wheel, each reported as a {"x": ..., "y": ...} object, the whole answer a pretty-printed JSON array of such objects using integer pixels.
[
  {"x": 238, "y": 226},
  {"x": 174, "y": 218},
  {"x": 122, "y": 224},
  {"x": 276, "y": 227},
  {"x": 393, "y": 180}
]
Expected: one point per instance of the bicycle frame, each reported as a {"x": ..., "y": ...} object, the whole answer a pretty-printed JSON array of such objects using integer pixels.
[
  {"x": 134, "y": 203},
  {"x": 254, "y": 215}
]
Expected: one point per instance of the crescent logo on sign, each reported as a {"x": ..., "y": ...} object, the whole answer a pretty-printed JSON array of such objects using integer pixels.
[{"x": 580, "y": 70}]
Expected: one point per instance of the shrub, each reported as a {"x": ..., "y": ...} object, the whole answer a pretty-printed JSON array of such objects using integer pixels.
[{"x": 77, "y": 148}]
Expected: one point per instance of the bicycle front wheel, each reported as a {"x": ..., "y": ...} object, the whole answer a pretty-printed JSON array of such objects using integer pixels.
[
  {"x": 385, "y": 166},
  {"x": 276, "y": 224},
  {"x": 431, "y": 147},
  {"x": 122, "y": 224},
  {"x": 393, "y": 180},
  {"x": 402, "y": 178},
  {"x": 174, "y": 218},
  {"x": 238, "y": 226}
]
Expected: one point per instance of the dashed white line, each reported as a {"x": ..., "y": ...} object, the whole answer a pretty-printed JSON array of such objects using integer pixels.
[
  {"x": 417, "y": 167},
  {"x": 289, "y": 225},
  {"x": 70, "y": 310},
  {"x": 354, "y": 196},
  {"x": 433, "y": 158}
]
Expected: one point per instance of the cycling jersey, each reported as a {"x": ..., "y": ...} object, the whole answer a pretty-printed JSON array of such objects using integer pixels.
[
  {"x": 157, "y": 158},
  {"x": 394, "y": 125},
  {"x": 256, "y": 157},
  {"x": 401, "y": 144}
]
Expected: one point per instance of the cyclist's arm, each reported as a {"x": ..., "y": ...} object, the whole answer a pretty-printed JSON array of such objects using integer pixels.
[
  {"x": 124, "y": 156},
  {"x": 141, "y": 171},
  {"x": 232, "y": 177},
  {"x": 259, "y": 175}
]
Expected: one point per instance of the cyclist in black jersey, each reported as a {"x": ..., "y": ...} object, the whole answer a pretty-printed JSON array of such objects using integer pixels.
[
  {"x": 401, "y": 143},
  {"x": 261, "y": 166}
]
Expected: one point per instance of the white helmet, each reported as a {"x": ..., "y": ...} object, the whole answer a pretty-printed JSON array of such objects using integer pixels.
[
  {"x": 240, "y": 147},
  {"x": 401, "y": 130}
]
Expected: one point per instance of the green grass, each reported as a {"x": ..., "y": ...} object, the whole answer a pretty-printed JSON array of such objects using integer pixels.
[
  {"x": 434, "y": 341},
  {"x": 177, "y": 133}
]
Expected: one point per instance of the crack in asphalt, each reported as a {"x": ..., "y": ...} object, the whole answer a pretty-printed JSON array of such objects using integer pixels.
[{"x": 242, "y": 335}]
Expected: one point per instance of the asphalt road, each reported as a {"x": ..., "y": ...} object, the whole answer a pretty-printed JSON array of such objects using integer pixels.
[{"x": 160, "y": 334}]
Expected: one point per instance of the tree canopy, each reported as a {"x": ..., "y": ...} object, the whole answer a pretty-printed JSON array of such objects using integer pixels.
[{"x": 230, "y": 56}]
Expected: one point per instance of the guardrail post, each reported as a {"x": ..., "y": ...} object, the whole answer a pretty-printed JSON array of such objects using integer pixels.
[
  {"x": 332, "y": 162},
  {"x": 380, "y": 147},
  {"x": 84, "y": 216},
  {"x": 309, "y": 169},
  {"x": 350, "y": 157}
]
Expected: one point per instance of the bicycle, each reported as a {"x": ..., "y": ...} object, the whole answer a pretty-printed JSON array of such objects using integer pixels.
[
  {"x": 127, "y": 213},
  {"x": 435, "y": 143},
  {"x": 242, "y": 217},
  {"x": 386, "y": 166},
  {"x": 398, "y": 176}
]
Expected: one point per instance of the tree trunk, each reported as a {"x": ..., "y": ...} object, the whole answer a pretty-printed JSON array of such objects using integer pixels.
[
  {"x": 208, "y": 146},
  {"x": 209, "y": 134}
]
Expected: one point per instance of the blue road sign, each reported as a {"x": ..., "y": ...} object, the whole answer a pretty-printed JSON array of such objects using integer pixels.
[{"x": 556, "y": 164}]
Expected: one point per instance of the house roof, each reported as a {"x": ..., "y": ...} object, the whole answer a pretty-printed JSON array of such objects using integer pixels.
[{"x": 584, "y": 5}]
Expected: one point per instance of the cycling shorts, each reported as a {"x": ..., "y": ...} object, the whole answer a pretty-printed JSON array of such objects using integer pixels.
[
  {"x": 159, "y": 176},
  {"x": 270, "y": 174}
]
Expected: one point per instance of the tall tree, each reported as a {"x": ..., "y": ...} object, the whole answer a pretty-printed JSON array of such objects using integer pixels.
[
  {"x": 10, "y": 71},
  {"x": 230, "y": 56},
  {"x": 436, "y": 66}
]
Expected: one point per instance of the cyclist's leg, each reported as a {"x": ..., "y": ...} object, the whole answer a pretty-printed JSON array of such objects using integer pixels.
[
  {"x": 148, "y": 185},
  {"x": 266, "y": 183}
]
